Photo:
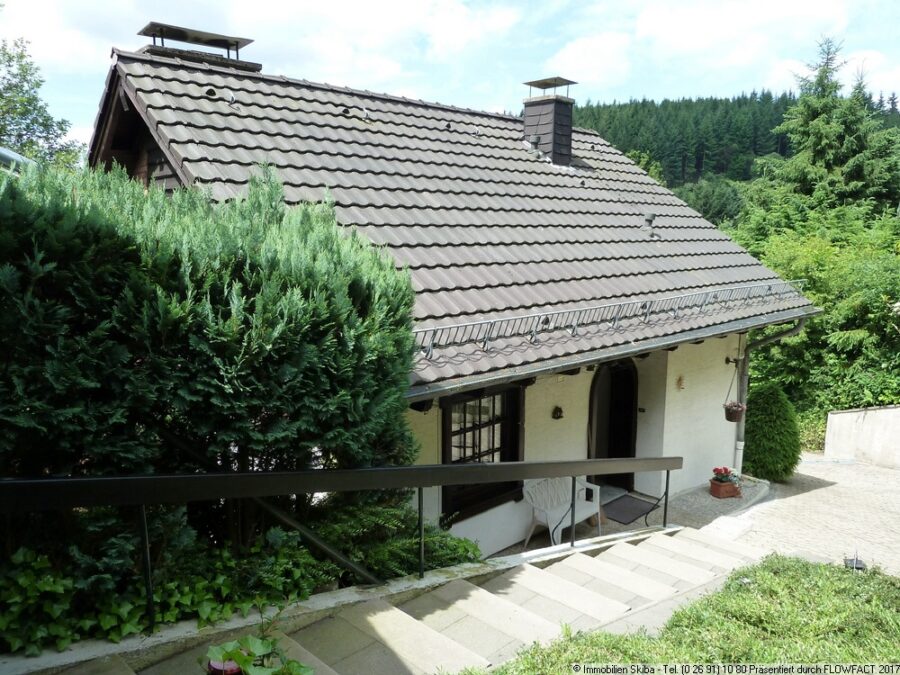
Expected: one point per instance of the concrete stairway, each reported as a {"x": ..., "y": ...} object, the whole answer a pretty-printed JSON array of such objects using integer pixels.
[{"x": 461, "y": 624}]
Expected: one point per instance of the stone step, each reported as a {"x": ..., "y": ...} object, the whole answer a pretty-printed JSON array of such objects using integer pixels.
[
  {"x": 616, "y": 577},
  {"x": 294, "y": 650},
  {"x": 662, "y": 563},
  {"x": 649, "y": 572},
  {"x": 724, "y": 545},
  {"x": 375, "y": 636},
  {"x": 652, "y": 618},
  {"x": 485, "y": 623},
  {"x": 555, "y": 598},
  {"x": 107, "y": 665},
  {"x": 697, "y": 551},
  {"x": 591, "y": 583},
  {"x": 678, "y": 557}
]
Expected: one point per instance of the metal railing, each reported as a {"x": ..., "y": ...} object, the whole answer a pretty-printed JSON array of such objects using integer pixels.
[
  {"x": 571, "y": 320},
  {"x": 51, "y": 494}
]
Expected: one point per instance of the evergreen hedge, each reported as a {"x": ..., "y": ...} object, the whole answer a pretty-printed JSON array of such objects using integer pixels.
[
  {"x": 772, "y": 439},
  {"x": 150, "y": 332},
  {"x": 145, "y": 332}
]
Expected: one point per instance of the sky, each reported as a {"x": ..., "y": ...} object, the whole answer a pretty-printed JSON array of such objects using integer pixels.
[{"x": 477, "y": 54}]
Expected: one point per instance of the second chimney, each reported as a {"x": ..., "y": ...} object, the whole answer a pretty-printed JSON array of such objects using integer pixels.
[{"x": 548, "y": 119}]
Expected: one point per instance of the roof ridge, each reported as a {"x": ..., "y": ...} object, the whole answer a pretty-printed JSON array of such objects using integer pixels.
[{"x": 181, "y": 63}]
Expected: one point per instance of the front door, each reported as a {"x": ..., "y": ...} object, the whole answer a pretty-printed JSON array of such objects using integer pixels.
[{"x": 612, "y": 422}]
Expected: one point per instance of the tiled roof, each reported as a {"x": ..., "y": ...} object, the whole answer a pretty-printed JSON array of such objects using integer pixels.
[{"x": 487, "y": 228}]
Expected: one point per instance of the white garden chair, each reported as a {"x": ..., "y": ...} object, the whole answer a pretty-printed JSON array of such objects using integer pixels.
[{"x": 551, "y": 501}]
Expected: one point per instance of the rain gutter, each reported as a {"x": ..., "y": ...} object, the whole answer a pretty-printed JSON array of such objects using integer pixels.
[{"x": 429, "y": 391}]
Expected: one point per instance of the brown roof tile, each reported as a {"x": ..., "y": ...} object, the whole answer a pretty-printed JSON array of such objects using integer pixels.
[{"x": 486, "y": 229}]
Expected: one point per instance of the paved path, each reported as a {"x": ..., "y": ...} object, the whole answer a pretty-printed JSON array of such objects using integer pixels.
[{"x": 829, "y": 508}]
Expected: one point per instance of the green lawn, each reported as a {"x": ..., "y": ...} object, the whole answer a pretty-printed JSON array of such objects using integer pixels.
[{"x": 780, "y": 610}]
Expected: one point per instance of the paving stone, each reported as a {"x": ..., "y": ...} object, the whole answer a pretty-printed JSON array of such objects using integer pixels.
[{"x": 834, "y": 509}]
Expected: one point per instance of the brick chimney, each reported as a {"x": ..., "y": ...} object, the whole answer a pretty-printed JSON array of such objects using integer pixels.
[{"x": 548, "y": 119}]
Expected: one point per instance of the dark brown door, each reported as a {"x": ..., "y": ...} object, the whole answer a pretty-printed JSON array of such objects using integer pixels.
[{"x": 612, "y": 421}]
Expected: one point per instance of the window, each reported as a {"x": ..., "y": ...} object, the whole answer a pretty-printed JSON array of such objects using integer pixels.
[{"x": 483, "y": 428}]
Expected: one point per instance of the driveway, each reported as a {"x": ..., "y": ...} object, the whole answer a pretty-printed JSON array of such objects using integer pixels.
[{"x": 830, "y": 508}]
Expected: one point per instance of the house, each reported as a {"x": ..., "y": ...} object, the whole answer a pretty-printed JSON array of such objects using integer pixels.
[{"x": 567, "y": 305}]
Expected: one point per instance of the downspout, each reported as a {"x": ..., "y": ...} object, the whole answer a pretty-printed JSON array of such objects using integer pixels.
[{"x": 743, "y": 364}]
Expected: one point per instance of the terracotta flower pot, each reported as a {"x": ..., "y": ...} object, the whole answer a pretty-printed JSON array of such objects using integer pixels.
[{"x": 721, "y": 490}]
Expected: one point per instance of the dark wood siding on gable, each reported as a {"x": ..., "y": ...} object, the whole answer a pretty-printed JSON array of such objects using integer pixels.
[
  {"x": 150, "y": 164},
  {"x": 159, "y": 169}
]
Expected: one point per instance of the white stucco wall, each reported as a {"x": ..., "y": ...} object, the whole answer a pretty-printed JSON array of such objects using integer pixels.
[
  {"x": 549, "y": 439},
  {"x": 695, "y": 427},
  {"x": 870, "y": 435},
  {"x": 426, "y": 427},
  {"x": 651, "y": 422}
]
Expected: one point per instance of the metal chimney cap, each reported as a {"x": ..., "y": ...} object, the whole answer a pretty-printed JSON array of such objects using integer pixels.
[
  {"x": 549, "y": 82},
  {"x": 166, "y": 31}
]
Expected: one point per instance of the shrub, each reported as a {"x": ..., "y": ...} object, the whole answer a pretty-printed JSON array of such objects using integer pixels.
[
  {"x": 266, "y": 336},
  {"x": 72, "y": 288},
  {"x": 143, "y": 332},
  {"x": 812, "y": 431},
  {"x": 384, "y": 537},
  {"x": 41, "y": 606},
  {"x": 772, "y": 443}
]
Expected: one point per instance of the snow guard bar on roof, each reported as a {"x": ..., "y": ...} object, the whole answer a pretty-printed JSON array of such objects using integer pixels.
[{"x": 532, "y": 325}]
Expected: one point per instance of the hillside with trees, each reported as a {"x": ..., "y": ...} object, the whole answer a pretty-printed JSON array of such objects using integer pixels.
[{"x": 823, "y": 204}]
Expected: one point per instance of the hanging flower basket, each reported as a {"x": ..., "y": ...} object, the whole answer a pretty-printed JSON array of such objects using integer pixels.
[{"x": 734, "y": 411}]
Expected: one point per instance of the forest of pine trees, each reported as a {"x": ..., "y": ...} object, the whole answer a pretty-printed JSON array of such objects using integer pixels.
[{"x": 696, "y": 138}]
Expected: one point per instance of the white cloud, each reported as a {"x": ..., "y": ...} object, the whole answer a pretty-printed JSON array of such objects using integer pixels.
[
  {"x": 736, "y": 25},
  {"x": 81, "y": 134},
  {"x": 451, "y": 27},
  {"x": 879, "y": 74},
  {"x": 782, "y": 75},
  {"x": 599, "y": 60},
  {"x": 54, "y": 42},
  {"x": 878, "y": 71}
]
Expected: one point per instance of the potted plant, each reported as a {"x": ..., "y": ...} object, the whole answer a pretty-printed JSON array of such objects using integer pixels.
[
  {"x": 250, "y": 655},
  {"x": 724, "y": 483},
  {"x": 734, "y": 411}
]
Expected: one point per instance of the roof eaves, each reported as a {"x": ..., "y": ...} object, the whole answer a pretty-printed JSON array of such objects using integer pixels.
[
  {"x": 498, "y": 377},
  {"x": 103, "y": 108},
  {"x": 184, "y": 175}
]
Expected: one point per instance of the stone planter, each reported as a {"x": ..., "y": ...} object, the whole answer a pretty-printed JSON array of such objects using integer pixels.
[{"x": 721, "y": 490}]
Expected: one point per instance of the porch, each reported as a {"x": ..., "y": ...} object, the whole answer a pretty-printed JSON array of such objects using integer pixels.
[{"x": 663, "y": 403}]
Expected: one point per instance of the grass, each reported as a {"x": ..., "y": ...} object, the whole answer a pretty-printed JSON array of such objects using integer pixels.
[{"x": 780, "y": 610}]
